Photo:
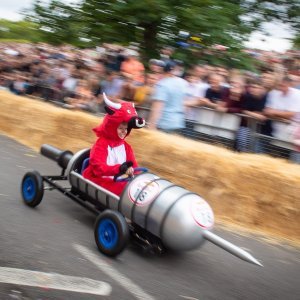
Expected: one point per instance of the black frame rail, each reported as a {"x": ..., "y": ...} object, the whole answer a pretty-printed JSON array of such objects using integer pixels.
[{"x": 51, "y": 181}]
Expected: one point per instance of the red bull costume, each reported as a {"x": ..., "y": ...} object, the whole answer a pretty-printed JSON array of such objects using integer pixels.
[{"x": 111, "y": 155}]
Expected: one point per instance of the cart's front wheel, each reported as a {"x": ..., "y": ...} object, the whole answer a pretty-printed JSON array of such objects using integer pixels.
[
  {"x": 32, "y": 188},
  {"x": 111, "y": 232}
]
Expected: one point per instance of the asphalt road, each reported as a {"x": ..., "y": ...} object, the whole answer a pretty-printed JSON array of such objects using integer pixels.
[{"x": 55, "y": 240}]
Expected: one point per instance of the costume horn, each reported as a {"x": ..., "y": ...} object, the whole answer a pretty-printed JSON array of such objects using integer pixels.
[
  {"x": 110, "y": 103},
  {"x": 139, "y": 122}
]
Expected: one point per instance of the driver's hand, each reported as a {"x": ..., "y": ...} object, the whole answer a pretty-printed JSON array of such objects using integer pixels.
[{"x": 130, "y": 172}]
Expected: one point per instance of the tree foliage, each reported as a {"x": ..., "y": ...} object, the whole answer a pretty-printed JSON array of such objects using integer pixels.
[
  {"x": 57, "y": 22},
  {"x": 21, "y": 30},
  {"x": 152, "y": 23},
  {"x": 296, "y": 42}
]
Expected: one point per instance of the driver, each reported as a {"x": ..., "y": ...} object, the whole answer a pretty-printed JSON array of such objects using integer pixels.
[{"x": 111, "y": 156}]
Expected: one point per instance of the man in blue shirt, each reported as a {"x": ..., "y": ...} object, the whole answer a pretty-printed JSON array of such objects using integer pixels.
[{"x": 167, "y": 111}]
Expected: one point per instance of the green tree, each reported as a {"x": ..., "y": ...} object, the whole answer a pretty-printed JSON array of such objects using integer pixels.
[
  {"x": 152, "y": 23},
  {"x": 296, "y": 42},
  {"x": 21, "y": 30},
  {"x": 155, "y": 22},
  {"x": 57, "y": 21}
]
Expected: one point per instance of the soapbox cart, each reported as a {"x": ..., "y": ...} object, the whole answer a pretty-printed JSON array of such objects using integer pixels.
[{"x": 151, "y": 211}]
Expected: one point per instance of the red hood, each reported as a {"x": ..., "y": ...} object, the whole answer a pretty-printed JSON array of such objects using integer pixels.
[{"x": 112, "y": 120}]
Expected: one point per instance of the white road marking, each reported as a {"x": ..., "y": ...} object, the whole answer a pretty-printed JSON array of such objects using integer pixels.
[
  {"x": 187, "y": 297},
  {"x": 15, "y": 291},
  {"x": 125, "y": 282},
  {"x": 30, "y": 155},
  {"x": 54, "y": 281}
]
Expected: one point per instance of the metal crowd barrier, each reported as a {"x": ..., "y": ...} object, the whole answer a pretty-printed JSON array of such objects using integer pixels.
[
  {"x": 225, "y": 129},
  {"x": 220, "y": 128}
]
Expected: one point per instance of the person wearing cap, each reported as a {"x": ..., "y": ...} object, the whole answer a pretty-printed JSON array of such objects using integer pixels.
[
  {"x": 167, "y": 110},
  {"x": 111, "y": 156}
]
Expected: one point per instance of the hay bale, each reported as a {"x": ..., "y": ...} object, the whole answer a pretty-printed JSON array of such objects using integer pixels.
[{"x": 256, "y": 192}]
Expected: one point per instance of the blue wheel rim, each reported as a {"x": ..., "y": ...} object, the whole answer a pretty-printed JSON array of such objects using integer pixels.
[
  {"x": 29, "y": 189},
  {"x": 108, "y": 233}
]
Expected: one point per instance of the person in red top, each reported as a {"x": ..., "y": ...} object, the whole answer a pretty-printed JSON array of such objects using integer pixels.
[
  {"x": 234, "y": 97},
  {"x": 111, "y": 156}
]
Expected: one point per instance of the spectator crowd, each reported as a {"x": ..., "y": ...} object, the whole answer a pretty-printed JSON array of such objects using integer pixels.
[{"x": 168, "y": 94}]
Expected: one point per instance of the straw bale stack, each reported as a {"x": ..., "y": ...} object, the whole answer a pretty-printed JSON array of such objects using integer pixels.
[{"x": 254, "y": 192}]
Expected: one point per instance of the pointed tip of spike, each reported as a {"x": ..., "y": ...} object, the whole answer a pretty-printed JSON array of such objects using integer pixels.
[
  {"x": 249, "y": 258},
  {"x": 255, "y": 262},
  {"x": 231, "y": 248},
  {"x": 258, "y": 263}
]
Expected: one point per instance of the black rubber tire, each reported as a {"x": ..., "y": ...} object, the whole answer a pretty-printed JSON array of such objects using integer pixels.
[
  {"x": 118, "y": 226},
  {"x": 32, "y": 188}
]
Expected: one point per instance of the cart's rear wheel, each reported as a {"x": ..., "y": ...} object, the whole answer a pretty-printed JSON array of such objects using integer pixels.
[
  {"x": 32, "y": 188},
  {"x": 111, "y": 232}
]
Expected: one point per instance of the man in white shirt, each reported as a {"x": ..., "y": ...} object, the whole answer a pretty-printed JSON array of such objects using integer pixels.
[
  {"x": 194, "y": 93},
  {"x": 283, "y": 105}
]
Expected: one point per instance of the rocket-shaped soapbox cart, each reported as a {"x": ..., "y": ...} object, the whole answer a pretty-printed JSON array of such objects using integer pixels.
[{"x": 152, "y": 211}]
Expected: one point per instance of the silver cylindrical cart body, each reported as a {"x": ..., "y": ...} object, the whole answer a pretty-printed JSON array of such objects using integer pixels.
[{"x": 175, "y": 215}]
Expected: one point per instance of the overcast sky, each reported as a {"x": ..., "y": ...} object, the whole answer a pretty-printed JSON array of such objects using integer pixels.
[{"x": 275, "y": 41}]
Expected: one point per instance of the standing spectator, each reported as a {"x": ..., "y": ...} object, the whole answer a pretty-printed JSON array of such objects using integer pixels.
[
  {"x": 252, "y": 106},
  {"x": 99, "y": 69},
  {"x": 83, "y": 98},
  {"x": 69, "y": 85},
  {"x": 144, "y": 92},
  {"x": 119, "y": 59},
  {"x": 156, "y": 66},
  {"x": 112, "y": 85},
  {"x": 60, "y": 72},
  {"x": 132, "y": 68},
  {"x": 167, "y": 111},
  {"x": 209, "y": 70},
  {"x": 194, "y": 94},
  {"x": 215, "y": 93},
  {"x": 201, "y": 73},
  {"x": 282, "y": 105},
  {"x": 133, "y": 72},
  {"x": 295, "y": 81},
  {"x": 166, "y": 54},
  {"x": 233, "y": 99},
  {"x": 179, "y": 69},
  {"x": 19, "y": 85},
  {"x": 295, "y": 155},
  {"x": 143, "y": 95},
  {"x": 222, "y": 71},
  {"x": 268, "y": 79}
]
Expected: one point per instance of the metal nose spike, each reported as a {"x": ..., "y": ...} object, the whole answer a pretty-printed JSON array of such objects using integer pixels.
[{"x": 231, "y": 248}]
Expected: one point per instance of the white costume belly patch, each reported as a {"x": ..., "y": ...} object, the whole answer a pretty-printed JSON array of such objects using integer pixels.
[{"x": 116, "y": 155}]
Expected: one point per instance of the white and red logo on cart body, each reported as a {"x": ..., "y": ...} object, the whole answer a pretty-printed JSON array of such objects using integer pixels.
[
  {"x": 202, "y": 213},
  {"x": 143, "y": 192}
]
